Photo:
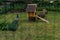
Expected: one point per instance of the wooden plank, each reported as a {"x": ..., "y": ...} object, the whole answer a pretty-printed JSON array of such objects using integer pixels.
[{"x": 43, "y": 19}]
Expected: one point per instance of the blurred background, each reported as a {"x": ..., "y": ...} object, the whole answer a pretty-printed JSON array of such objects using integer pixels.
[{"x": 13, "y": 16}]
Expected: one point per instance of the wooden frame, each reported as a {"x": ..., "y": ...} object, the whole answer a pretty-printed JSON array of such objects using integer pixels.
[{"x": 31, "y": 9}]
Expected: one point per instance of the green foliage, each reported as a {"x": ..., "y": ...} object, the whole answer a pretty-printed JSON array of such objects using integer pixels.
[
  {"x": 55, "y": 6},
  {"x": 38, "y": 30},
  {"x": 7, "y": 23},
  {"x": 4, "y": 26},
  {"x": 19, "y": 6}
]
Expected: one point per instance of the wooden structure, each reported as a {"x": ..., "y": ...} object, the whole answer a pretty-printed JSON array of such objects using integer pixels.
[
  {"x": 31, "y": 9},
  {"x": 43, "y": 19}
]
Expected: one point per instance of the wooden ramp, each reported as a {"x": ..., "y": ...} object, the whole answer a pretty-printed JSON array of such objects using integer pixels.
[{"x": 42, "y": 19}]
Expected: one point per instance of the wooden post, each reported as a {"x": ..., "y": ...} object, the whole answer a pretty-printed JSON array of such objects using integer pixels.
[{"x": 31, "y": 9}]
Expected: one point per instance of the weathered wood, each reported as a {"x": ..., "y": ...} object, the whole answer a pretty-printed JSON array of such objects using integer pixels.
[{"x": 31, "y": 9}]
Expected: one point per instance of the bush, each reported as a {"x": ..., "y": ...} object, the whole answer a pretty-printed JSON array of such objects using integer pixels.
[
  {"x": 55, "y": 6},
  {"x": 4, "y": 26}
]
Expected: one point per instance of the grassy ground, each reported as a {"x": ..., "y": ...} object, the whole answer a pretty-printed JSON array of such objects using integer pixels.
[{"x": 34, "y": 30}]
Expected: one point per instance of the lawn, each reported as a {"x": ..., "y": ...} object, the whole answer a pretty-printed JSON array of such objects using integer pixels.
[{"x": 38, "y": 30}]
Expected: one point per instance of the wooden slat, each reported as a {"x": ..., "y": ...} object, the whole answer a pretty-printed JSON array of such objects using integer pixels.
[{"x": 43, "y": 19}]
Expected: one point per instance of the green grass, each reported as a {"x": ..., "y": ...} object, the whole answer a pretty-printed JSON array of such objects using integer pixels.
[{"x": 34, "y": 30}]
